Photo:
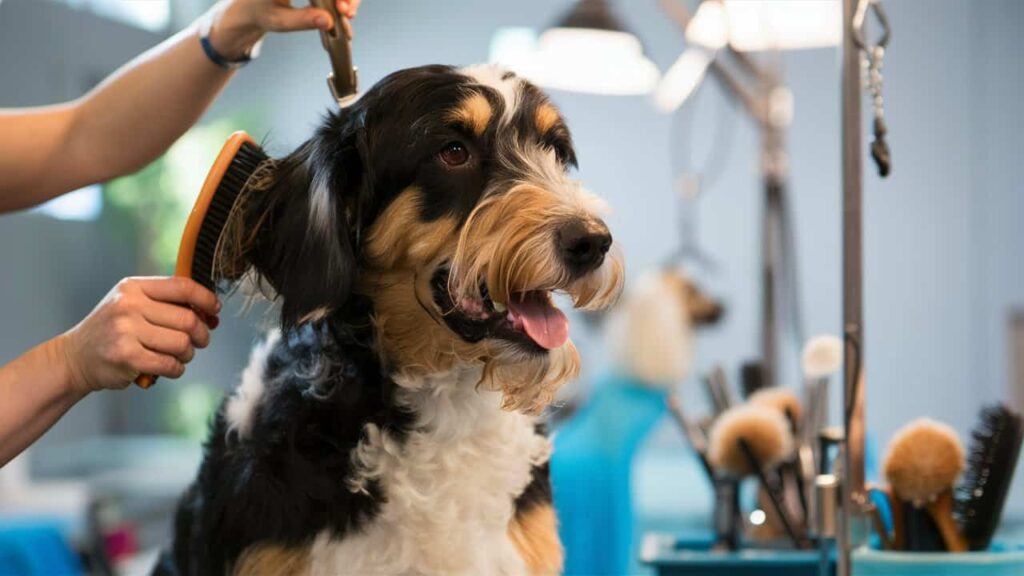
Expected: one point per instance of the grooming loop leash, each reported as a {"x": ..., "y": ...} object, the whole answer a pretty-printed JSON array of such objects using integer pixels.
[{"x": 872, "y": 59}]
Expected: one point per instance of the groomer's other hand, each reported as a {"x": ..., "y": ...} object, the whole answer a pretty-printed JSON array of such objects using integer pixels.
[
  {"x": 239, "y": 24},
  {"x": 142, "y": 326}
]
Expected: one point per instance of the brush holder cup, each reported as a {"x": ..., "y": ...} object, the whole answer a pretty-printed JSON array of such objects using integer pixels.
[
  {"x": 670, "y": 555},
  {"x": 1000, "y": 560}
]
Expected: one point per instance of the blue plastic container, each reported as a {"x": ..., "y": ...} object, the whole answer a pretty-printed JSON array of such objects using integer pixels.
[
  {"x": 673, "y": 556},
  {"x": 1002, "y": 560}
]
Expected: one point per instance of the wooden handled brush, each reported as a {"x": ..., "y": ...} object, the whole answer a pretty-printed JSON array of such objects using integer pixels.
[
  {"x": 922, "y": 464},
  {"x": 237, "y": 161}
]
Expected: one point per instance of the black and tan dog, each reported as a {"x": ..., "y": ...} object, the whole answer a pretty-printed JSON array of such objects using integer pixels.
[{"x": 389, "y": 427}]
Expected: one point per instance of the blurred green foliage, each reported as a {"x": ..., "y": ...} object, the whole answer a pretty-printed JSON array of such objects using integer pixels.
[{"x": 149, "y": 208}]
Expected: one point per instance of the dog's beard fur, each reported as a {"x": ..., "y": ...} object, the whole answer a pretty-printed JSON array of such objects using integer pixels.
[{"x": 508, "y": 242}]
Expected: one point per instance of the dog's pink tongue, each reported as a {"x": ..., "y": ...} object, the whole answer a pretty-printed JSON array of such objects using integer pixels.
[{"x": 542, "y": 322}]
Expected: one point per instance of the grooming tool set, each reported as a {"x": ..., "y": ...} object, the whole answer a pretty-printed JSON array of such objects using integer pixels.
[
  {"x": 931, "y": 511},
  {"x": 771, "y": 437}
]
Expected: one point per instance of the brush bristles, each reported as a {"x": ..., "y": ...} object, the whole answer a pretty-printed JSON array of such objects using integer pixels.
[
  {"x": 779, "y": 399},
  {"x": 994, "y": 450},
  {"x": 243, "y": 165},
  {"x": 764, "y": 429},
  {"x": 924, "y": 459},
  {"x": 822, "y": 355}
]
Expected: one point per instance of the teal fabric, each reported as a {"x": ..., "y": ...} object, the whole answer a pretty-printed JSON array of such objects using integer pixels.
[
  {"x": 591, "y": 470},
  {"x": 35, "y": 547}
]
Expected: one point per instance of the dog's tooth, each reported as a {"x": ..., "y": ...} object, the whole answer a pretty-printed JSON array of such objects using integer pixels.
[{"x": 499, "y": 307}]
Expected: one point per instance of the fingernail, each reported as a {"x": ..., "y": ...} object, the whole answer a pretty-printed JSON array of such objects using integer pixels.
[
  {"x": 213, "y": 322},
  {"x": 323, "y": 22}
]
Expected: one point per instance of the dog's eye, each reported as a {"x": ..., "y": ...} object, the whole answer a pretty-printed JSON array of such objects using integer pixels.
[{"x": 454, "y": 154}]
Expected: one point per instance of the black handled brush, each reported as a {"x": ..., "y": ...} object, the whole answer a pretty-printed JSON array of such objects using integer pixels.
[{"x": 994, "y": 449}]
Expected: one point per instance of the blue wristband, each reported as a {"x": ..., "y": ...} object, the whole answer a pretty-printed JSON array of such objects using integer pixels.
[{"x": 216, "y": 57}]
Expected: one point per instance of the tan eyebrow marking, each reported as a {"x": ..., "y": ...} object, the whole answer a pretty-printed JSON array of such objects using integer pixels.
[
  {"x": 475, "y": 112},
  {"x": 545, "y": 117}
]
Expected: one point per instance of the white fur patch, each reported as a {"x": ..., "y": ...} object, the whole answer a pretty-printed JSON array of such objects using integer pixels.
[
  {"x": 321, "y": 206},
  {"x": 450, "y": 486},
  {"x": 241, "y": 407},
  {"x": 490, "y": 75}
]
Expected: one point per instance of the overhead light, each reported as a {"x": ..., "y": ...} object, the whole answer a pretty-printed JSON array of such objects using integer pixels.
[
  {"x": 758, "y": 25},
  {"x": 587, "y": 50}
]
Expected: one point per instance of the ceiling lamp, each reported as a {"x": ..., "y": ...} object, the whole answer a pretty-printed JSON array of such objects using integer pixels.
[
  {"x": 587, "y": 50},
  {"x": 759, "y": 25}
]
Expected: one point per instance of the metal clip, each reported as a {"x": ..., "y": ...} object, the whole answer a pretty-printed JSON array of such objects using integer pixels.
[
  {"x": 343, "y": 79},
  {"x": 859, "y": 19}
]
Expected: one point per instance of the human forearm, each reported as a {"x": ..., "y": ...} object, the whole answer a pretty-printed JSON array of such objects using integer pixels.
[
  {"x": 36, "y": 389},
  {"x": 138, "y": 112}
]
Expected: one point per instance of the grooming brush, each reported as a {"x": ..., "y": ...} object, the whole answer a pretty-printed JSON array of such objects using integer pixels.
[
  {"x": 343, "y": 79},
  {"x": 885, "y": 536},
  {"x": 696, "y": 437},
  {"x": 752, "y": 440},
  {"x": 994, "y": 450},
  {"x": 717, "y": 387},
  {"x": 794, "y": 483},
  {"x": 726, "y": 515},
  {"x": 922, "y": 464},
  {"x": 751, "y": 378},
  {"x": 237, "y": 161},
  {"x": 821, "y": 358}
]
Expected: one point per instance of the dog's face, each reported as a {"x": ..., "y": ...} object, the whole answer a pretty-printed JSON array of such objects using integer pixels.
[{"x": 444, "y": 196}]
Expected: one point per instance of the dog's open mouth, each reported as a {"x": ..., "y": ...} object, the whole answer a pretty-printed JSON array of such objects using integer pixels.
[{"x": 529, "y": 319}]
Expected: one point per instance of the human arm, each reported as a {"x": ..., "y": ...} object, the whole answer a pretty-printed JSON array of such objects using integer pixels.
[
  {"x": 143, "y": 325},
  {"x": 139, "y": 111}
]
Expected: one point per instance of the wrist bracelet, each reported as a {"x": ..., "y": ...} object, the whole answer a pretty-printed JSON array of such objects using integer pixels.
[{"x": 218, "y": 58}]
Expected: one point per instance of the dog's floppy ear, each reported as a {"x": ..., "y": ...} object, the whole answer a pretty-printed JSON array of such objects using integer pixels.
[{"x": 304, "y": 221}]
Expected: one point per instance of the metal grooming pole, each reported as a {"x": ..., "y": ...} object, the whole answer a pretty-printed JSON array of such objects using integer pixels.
[
  {"x": 753, "y": 85},
  {"x": 853, "y": 501}
]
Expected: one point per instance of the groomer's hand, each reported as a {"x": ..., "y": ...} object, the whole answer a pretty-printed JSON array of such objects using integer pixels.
[
  {"x": 239, "y": 24},
  {"x": 142, "y": 326}
]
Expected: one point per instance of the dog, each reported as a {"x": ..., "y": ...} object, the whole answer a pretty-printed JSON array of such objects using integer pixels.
[{"x": 390, "y": 426}]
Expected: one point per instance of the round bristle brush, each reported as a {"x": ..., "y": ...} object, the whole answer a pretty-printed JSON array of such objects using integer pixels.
[
  {"x": 753, "y": 440},
  {"x": 237, "y": 162},
  {"x": 923, "y": 462},
  {"x": 786, "y": 403},
  {"x": 994, "y": 450}
]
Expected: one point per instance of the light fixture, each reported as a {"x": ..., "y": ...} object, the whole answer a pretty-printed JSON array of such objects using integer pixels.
[
  {"x": 588, "y": 50},
  {"x": 758, "y": 25},
  {"x": 744, "y": 26}
]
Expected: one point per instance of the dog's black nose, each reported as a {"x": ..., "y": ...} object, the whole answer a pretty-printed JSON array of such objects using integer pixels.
[{"x": 583, "y": 247}]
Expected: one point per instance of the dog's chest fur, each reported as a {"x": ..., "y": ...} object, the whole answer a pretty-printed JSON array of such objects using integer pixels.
[
  {"x": 450, "y": 485},
  {"x": 430, "y": 492}
]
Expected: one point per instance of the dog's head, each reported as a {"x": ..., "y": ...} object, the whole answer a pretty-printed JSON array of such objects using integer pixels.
[{"x": 444, "y": 196}]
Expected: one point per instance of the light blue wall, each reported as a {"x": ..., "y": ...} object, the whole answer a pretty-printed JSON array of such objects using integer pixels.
[{"x": 943, "y": 234}]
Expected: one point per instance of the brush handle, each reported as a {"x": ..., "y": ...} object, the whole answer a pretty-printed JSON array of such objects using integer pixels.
[
  {"x": 772, "y": 490},
  {"x": 941, "y": 512},
  {"x": 717, "y": 386},
  {"x": 726, "y": 515},
  {"x": 921, "y": 532},
  {"x": 692, "y": 431}
]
